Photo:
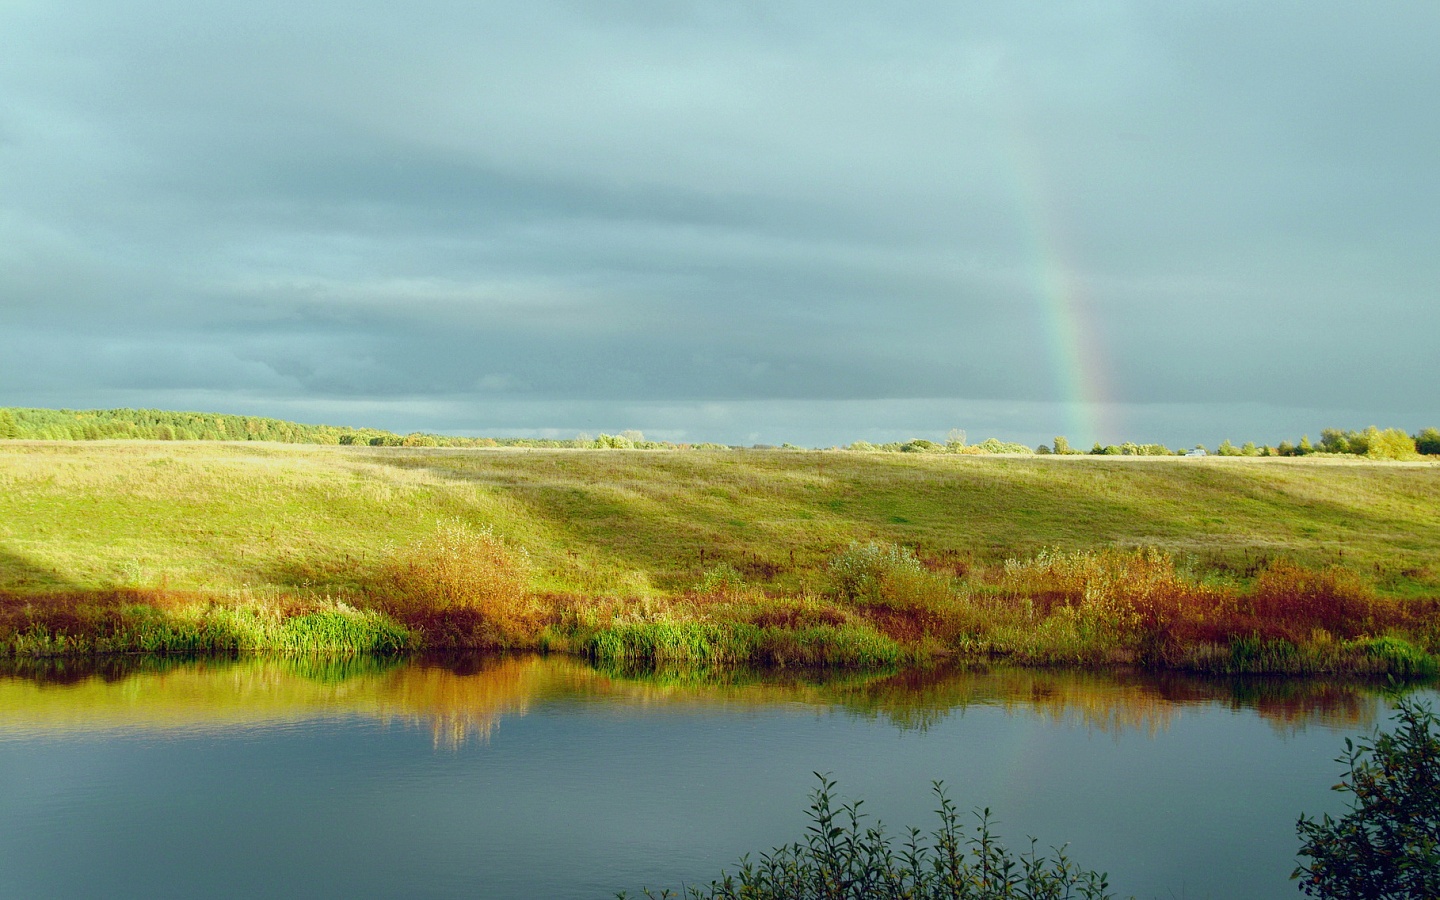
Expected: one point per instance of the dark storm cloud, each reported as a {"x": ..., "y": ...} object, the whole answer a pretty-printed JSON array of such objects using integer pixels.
[{"x": 447, "y": 215}]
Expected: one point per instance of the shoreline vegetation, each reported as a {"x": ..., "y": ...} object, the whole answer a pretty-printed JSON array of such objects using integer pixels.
[{"x": 717, "y": 558}]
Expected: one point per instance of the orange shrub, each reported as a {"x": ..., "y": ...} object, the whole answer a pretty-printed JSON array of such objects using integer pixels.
[
  {"x": 1291, "y": 601},
  {"x": 461, "y": 586}
]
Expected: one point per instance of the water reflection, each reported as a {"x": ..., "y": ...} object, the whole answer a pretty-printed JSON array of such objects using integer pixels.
[{"x": 463, "y": 699}]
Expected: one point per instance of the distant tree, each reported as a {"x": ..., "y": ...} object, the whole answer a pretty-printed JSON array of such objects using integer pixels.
[
  {"x": 1333, "y": 440},
  {"x": 1227, "y": 449},
  {"x": 1304, "y": 448},
  {"x": 1098, "y": 449},
  {"x": 955, "y": 440},
  {"x": 1042, "y": 450},
  {"x": 1249, "y": 449},
  {"x": 1428, "y": 442},
  {"x": 9, "y": 429},
  {"x": 919, "y": 445},
  {"x": 1392, "y": 443},
  {"x": 633, "y": 436},
  {"x": 1285, "y": 449},
  {"x": 1062, "y": 446}
]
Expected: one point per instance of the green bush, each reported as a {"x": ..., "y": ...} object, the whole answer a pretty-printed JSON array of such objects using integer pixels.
[
  {"x": 859, "y": 573},
  {"x": 843, "y": 859},
  {"x": 723, "y": 580},
  {"x": 1388, "y": 844}
]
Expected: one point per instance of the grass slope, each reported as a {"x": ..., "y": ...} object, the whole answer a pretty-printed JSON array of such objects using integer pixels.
[{"x": 632, "y": 528}]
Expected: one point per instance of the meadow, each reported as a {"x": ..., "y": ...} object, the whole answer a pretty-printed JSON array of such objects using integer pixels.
[{"x": 721, "y": 557}]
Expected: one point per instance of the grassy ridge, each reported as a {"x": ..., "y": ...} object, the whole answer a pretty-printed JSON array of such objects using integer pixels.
[{"x": 598, "y": 542}]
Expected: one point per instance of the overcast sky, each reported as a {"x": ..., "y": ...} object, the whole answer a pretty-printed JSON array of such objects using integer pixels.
[{"x": 740, "y": 221}]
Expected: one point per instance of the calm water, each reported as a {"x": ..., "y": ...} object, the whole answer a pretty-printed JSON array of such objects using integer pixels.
[{"x": 544, "y": 778}]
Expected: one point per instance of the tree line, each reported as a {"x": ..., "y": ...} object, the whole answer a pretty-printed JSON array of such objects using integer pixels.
[{"x": 165, "y": 425}]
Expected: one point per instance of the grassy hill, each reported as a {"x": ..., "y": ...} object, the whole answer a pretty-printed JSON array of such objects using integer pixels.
[{"x": 597, "y": 539}]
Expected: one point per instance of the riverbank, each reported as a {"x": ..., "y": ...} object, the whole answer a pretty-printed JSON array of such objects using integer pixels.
[{"x": 720, "y": 558}]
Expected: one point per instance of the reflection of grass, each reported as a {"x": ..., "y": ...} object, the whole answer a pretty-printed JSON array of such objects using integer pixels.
[
  {"x": 460, "y": 697},
  {"x": 794, "y": 558}
]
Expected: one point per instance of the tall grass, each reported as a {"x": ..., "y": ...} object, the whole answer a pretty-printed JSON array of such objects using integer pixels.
[
  {"x": 135, "y": 621},
  {"x": 742, "y": 643}
]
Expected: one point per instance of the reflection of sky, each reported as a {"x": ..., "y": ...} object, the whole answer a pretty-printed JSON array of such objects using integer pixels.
[{"x": 585, "y": 797}]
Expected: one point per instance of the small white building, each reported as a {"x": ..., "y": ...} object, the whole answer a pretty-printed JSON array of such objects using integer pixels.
[{"x": 1198, "y": 451}]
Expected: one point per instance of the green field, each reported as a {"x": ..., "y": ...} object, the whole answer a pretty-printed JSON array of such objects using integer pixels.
[{"x": 628, "y": 537}]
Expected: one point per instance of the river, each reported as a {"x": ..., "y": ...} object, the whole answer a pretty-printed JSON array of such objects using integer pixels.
[{"x": 542, "y": 777}]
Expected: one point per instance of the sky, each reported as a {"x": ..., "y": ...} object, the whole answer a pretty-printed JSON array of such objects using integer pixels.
[{"x": 737, "y": 221}]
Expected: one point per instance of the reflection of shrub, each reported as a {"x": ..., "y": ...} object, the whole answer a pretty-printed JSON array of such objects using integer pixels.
[
  {"x": 459, "y": 577},
  {"x": 1388, "y": 845}
]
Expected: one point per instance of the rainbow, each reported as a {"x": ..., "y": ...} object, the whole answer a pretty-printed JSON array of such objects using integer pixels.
[{"x": 1077, "y": 358}]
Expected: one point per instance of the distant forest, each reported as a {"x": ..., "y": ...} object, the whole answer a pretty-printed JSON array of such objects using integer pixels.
[{"x": 162, "y": 425}]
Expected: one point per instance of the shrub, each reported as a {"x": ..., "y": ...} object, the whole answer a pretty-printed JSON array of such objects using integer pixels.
[
  {"x": 1388, "y": 844},
  {"x": 843, "y": 859},
  {"x": 723, "y": 580},
  {"x": 459, "y": 574},
  {"x": 859, "y": 573},
  {"x": 920, "y": 445},
  {"x": 995, "y": 445},
  {"x": 1291, "y": 601}
]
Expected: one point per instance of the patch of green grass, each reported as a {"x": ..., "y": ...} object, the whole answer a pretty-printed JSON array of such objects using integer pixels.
[{"x": 740, "y": 643}]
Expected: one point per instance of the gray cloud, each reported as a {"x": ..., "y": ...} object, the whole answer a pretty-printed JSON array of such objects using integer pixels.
[{"x": 478, "y": 215}]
